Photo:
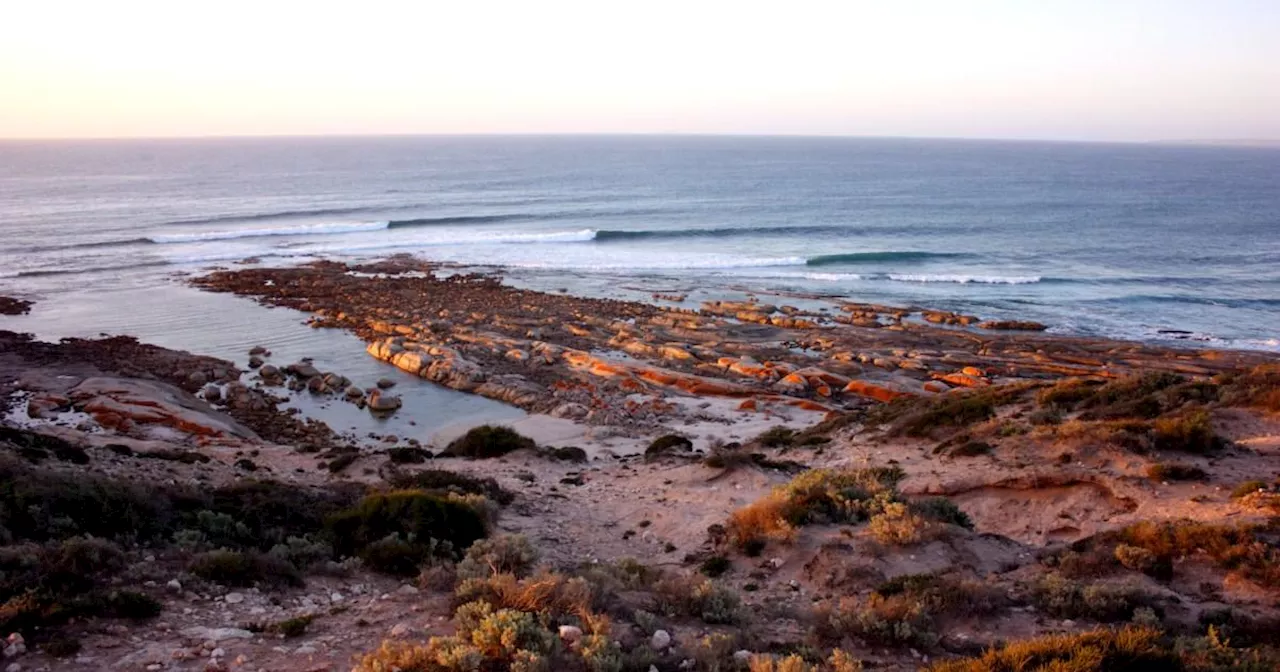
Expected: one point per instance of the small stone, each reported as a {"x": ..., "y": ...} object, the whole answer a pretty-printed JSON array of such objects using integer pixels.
[
  {"x": 661, "y": 640},
  {"x": 742, "y": 657},
  {"x": 218, "y": 653},
  {"x": 407, "y": 589},
  {"x": 13, "y": 667},
  {"x": 305, "y": 650},
  {"x": 571, "y": 634},
  {"x": 399, "y": 630},
  {"x": 234, "y": 598},
  {"x": 336, "y": 597}
]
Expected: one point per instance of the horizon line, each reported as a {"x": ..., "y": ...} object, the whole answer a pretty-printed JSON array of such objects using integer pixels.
[{"x": 1232, "y": 142}]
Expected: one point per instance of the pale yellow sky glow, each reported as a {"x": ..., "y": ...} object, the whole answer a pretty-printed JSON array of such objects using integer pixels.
[{"x": 1036, "y": 69}]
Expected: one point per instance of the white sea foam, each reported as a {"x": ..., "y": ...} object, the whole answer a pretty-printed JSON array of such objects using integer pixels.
[
  {"x": 299, "y": 230},
  {"x": 966, "y": 279}
]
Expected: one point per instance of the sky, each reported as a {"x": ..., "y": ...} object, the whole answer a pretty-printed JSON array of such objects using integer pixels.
[{"x": 1110, "y": 70}]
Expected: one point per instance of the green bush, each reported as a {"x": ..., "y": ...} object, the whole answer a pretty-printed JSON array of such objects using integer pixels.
[
  {"x": 1191, "y": 433},
  {"x": 942, "y": 510},
  {"x": 666, "y": 444},
  {"x": 488, "y": 441},
  {"x": 1064, "y": 598},
  {"x": 715, "y": 566},
  {"x": 235, "y": 568},
  {"x": 1247, "y": 488},
  {"x": 412, "y": 515},
  {"x": 1172, "y": 471},
  {"x": 776, "y": 437},
  {"x": 132, "y": 605},
  {"x": 449, "y": 481},
  {"x": 502, "y": 554}
]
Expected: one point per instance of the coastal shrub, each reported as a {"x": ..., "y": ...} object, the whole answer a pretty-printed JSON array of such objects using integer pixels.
[
  {"x": 968, "y": 449},
  {"x": 1191, "y": 433},
  {"x": 236, "y": 568},
  {"x": 897, "y": 525},
  {"x": 1259, "y": 387},
  {"x": 488, "y": 441},
  {"x": 551, "y": 594},
  {"x": 879, "y": 620},
  {"x": 76, "y": 564},
  {"x": 776, "y": 437},
  {"x": 39, "y": 505},
  {"x": 696, "y": 597},
  {"x": 1068, "y": 392},
  {"x": 1247, "y": 488},
  {"x": 407, "y": 455},
  {"x": 666, "y": 444},
  {"x": 1174, "y": 471},
  {"x": 1235, "y": 548},
  {"x": 715, "y": 566},
  {"x": 1130, "y": 396},
  {"x": 1064, "y": 598},
  {"x": 815, "y": 496},
  {"x": 730, "y": 456},
  {"x": 502, "y": 554},
  {"x": 1135, "y": 558},
  {"x": 942, "y": 510},
  {"x": 412, "y": 515},
  {"x": 925, "y": 416},
  {"x": 132, "y": 605},
  {"x": 449, "y": 481},
  {"x": 1130, "y": 648}
]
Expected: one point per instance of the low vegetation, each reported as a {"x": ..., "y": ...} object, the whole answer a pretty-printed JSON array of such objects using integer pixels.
[
  {"x": 488, "y": 441},
  {"x": 840, "y": 496}
]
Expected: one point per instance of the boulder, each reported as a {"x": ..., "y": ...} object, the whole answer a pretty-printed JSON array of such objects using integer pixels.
[{"x": 383, "y": 403}]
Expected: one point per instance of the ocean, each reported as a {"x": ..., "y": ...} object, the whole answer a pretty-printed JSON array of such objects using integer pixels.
[{"x": 1173, "y": 244}]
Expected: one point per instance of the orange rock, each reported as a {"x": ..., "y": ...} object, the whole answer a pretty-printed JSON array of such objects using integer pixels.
[
  {"x": 748, "y": 405},
  {"x": 962, "y": 380},
  {"x": 863, "y": 388},
  {"x": 937, "y": 386},
  {"x": 973, "y": 371}
]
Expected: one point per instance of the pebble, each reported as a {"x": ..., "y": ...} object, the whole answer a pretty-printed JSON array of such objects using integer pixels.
[
  {"x": 13, "y": 667},
  {"x": 336, "y": 597},
  {"x": 742, "y": 657},
  {"x": 234, "y": 598},
  {"x": 218, "y": 653},
  {"x": 305, "y": 650},
  {"x": 661, "y": 640},
  {"x": 399, "y": 630}
]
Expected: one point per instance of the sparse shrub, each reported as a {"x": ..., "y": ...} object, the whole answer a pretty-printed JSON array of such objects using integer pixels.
[
  {"x": 666, "y": 444},
  {"x": 1130, "y": 648},
  {"x": 815, "y": 496},
  {"x": 1136, "y": 558},
  {"x": 132, "y": 604},
  {"x": 1065, "y": 598},
  {"x": 303, "y": 552},
  {"x": 969, "y": 449},
  {"x": 61, "y": 646},
  {"x": 896, "y": 525},
  {"x": 729, "y": 456},
  {"x": 1260, "y": 387},
  {"x": 1130, "y": 397},
  {"x": 1247, "y": 488},
  {"x": 440, "y": 480},
  {"x": 942, "y": 510},
  {"x": 488, "y": 441},
  {"x": 412, "y": 515},
  {"x": 1191, "y": 433},
  {"x": 235, "y": 568},
  {"x": 503, "y": 554},
  {"x": 715, "y": 566},
  {"x": 1173, "y": 471},
  {"x": 1066, "y": 393},
  {"x": 407, "y": 455},
  {"x": 292, "y": 627},
  {"x": 922, "y": 417},
  {"x": 1235, "y": 548},
  {"x": 776, "y": 437},
  {"x": 893, "y": 620},
  {"x": 75, "y": 564},
  {"x": 701, "y": 598},
  {"x": 1045, "y": 416},
  {"x": 395, "y": 555},
  {"x": 552, "y": 594}
]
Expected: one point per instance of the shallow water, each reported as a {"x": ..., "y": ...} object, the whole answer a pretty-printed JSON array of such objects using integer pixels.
[{"x": 226, "y": 326}]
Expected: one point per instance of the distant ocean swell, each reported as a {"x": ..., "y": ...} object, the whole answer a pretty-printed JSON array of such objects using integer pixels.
[{"x": 598, "y": 235}]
